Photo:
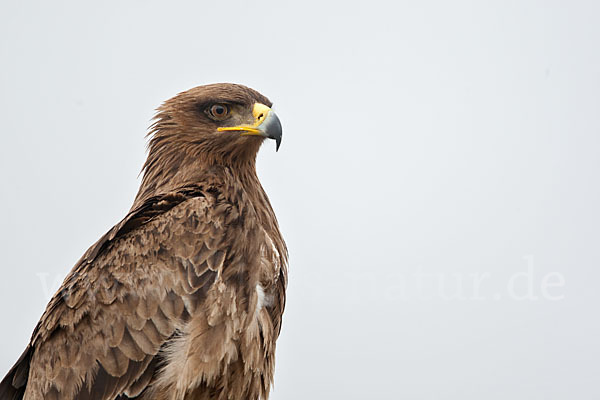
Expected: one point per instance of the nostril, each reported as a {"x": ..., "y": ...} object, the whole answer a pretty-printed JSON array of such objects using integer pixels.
[{"x": 261, "y": 116}]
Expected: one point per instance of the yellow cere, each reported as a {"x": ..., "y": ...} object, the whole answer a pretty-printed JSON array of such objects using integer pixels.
[{"x": 260, "y": 112}]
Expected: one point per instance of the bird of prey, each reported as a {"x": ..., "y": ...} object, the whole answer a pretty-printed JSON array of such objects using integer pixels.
[{"x": 183, "y": 298}]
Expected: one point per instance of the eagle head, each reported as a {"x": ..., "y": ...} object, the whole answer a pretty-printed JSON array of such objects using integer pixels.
[
  {"x": 224, "y": 121},
  {"x": 222, "y": 124}
]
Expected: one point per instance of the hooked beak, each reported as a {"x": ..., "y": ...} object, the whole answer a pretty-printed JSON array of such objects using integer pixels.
[{"x": 266, "y": 124}]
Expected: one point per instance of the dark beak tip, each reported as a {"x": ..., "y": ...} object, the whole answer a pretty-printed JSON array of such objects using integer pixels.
[{"x": 274, "y": 130}]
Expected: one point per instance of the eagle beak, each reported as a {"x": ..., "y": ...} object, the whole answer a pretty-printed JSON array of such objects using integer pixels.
[{"x": 266, "y": 124}]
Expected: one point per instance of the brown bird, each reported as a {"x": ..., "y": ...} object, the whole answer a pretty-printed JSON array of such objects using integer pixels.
[{"x": 183, "y": 298}]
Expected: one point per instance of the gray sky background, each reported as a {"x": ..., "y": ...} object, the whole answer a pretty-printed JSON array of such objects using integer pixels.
[{"x": 438, "y": 181}]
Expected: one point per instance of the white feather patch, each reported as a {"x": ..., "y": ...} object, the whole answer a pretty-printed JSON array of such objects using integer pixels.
[{"x": 263, "y": 299}]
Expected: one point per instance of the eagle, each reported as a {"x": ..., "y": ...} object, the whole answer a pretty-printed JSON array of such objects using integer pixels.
[{"x": 183, "y": 298}]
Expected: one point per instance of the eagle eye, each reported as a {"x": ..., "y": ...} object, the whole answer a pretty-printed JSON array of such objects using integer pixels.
[{"x": 218, "y": 111}]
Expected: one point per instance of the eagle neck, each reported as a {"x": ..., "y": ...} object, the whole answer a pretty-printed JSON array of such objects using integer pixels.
[{"x": 168, "y": 171}]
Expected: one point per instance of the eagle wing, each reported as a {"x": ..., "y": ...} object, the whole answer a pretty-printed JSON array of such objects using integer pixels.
[{"x": 102, "y": 333}]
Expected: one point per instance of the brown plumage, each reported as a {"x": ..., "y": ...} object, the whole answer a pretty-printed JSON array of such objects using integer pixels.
[{"x": 183, "y": 298}]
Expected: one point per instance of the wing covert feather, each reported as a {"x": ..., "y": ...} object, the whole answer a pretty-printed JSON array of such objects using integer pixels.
[{"x": 102, "y": 333}]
